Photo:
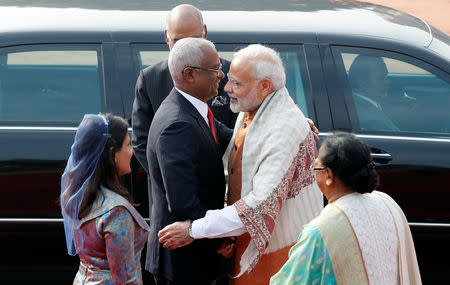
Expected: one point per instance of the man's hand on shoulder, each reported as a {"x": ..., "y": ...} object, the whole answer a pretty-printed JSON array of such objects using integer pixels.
[
  {"x": 175, "y": 235},
  {"x": 313, "y": 129}
]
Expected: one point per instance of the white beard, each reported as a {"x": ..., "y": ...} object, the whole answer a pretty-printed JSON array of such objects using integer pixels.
[{"x": 245, "y": 104}]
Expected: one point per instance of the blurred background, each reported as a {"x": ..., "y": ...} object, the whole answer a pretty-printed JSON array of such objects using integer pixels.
[{"x": 435, "y": 12}]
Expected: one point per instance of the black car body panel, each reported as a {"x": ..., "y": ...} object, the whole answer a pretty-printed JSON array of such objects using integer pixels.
[{"x": 315, "y": 38}]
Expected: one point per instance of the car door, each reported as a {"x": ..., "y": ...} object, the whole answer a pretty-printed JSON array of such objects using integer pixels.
[
  {"x": 44, "y": 92},
  {"x": 398, "y": 104}
]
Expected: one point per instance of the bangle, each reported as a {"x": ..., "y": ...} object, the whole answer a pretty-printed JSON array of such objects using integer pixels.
[{"x": 190, "y": 229}]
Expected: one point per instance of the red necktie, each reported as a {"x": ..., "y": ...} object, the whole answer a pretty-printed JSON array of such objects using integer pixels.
[{"x": 211, "y": 123}]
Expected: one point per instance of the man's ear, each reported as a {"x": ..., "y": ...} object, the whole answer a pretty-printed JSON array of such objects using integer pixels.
[
  {"x": 188, "y": 75},
  {"x": 265, "y": 86},
  {"x": 165, "y": 37},
  {"x": 205, "y": 32}
]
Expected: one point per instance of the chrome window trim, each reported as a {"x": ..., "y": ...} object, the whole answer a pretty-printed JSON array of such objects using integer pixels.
[
  {"x": 430, "y": 225},
  {"x": 26, "y": 220},
  {"x": 23, "y": 128},
  {"x": 392, "y": 137},
  {"x": 37, "y": 220}
]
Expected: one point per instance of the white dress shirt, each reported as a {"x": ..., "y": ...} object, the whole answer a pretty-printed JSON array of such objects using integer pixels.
[
  {"x": 201, "y": 106},
  {"x": 218, "y": 223}
]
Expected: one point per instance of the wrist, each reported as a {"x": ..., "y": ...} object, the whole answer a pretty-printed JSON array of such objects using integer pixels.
[{"x": 190, "y": 229}]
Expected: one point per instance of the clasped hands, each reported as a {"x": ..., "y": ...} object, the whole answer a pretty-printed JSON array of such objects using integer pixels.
[{"x": 177, "y": 235}]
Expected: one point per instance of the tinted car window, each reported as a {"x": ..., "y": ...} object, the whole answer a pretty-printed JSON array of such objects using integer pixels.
[
  {"x": 149, "y": 57},
  {"x": 291, "y": 60},
  {"x": 48, "y": 83},
  {"x": 392, "y": 94}
]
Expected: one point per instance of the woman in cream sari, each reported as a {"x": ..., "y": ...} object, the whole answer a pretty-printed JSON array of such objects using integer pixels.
[{"x": 361, "y": 236}]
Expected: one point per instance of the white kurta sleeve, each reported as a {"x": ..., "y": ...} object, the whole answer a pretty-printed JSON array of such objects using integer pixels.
[{"x": 218, "y": 223}]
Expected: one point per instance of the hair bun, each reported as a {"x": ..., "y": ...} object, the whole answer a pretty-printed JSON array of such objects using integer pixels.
[{"x": 365, "y": 180}]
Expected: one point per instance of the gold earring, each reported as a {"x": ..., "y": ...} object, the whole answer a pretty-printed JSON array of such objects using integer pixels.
[{"x": 328, "y": 182}]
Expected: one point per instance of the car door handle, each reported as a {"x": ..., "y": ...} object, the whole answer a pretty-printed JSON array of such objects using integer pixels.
[{"x": 381, "y": 157}]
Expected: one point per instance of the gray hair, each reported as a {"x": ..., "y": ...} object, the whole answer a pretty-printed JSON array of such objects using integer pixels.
[
  {"x": 186, "y": 52},
  {"x": 267, "y": 64}
]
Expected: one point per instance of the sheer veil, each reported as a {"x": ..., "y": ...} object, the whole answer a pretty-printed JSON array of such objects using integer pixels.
[{"x": 90, "y": 140}]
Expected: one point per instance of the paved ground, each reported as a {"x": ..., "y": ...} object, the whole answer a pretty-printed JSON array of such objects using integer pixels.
[{"x": 435, "y": 12}]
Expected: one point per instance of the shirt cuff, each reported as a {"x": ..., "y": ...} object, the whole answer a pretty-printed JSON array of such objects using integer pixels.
[{"x": 218, "y": 223}]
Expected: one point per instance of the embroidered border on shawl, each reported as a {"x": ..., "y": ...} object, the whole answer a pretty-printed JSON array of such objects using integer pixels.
[{"x": 260, "y": 221}]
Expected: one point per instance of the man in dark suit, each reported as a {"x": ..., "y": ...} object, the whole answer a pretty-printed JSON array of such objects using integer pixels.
[
  {"x": 154, "y": 83},
  {"x": 185, "y": 166}
]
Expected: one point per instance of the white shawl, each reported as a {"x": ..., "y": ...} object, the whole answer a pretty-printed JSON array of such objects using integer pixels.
[{"x": 279, "y": 192}]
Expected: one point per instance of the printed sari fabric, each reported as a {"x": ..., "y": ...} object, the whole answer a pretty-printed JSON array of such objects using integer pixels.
[
  {"x": 318, "y": 258},
  {"x": 109, "y": 241}
]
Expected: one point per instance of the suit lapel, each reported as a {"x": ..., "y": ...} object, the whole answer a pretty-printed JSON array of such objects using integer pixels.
[{"x": 192, "y": 111}]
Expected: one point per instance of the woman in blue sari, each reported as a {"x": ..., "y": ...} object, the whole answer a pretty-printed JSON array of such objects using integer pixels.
[{"x": 361, "y": 236}]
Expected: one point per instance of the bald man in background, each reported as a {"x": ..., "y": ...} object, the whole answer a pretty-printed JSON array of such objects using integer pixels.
[{"x": 154, "y": 82}]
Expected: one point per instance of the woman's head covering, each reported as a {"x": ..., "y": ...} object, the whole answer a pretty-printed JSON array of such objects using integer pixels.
[{"x": 86, "y": 150}]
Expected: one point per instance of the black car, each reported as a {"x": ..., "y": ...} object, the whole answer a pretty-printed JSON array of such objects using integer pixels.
[{"x": 58, "y": 63}]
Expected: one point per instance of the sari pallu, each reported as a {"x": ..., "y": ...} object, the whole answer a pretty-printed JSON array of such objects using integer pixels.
[{"x": 326, "y": 253}]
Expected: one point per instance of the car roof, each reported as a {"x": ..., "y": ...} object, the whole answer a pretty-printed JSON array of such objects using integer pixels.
[{"x": 317, "y": 18}]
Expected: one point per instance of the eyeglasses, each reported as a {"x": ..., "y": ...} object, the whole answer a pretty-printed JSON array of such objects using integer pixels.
[{"x": 218, "y": 70}]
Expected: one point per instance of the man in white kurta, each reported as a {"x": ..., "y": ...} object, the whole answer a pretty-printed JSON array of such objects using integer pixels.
[{"x": 271, "y": 185}]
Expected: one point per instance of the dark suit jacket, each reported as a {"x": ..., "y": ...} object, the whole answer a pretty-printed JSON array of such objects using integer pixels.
[
  {"x": 152, "y": 87},
  {"x": 187, "y": 179}
]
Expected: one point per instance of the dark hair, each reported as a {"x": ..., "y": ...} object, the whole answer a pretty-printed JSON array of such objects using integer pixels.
[
  {"x": 106, "y": 172},
  {"x": 360, "y": 70},
  {"x": 349, "y": 159}
]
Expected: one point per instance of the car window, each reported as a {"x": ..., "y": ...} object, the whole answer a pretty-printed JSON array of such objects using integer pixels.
[
  {"x": 292, "y": 61},
  {"x": 396, "y": 94},
  {"x": 49, "y": 84},
  {"x": 149, "y": 57}
]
